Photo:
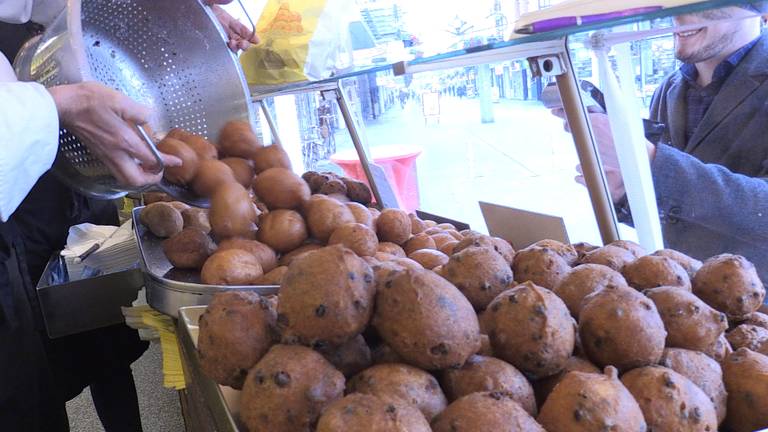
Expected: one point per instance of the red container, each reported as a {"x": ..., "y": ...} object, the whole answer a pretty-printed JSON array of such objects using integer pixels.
[{"x": 399, "y": 164}]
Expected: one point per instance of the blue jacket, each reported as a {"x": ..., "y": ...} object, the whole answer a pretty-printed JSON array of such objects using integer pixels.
[{"x": 712, "y": 192}]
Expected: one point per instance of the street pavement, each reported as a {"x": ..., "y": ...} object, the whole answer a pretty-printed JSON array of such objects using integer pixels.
[{"x": 524, "y": 159}]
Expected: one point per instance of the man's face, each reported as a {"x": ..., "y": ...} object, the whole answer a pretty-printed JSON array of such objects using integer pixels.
[{"x": 709, "y": 40}]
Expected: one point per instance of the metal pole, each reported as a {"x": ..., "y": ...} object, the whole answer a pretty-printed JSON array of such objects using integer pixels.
[
  {"x": 270, "y": 121},
  {"x": 357, "y": 141},
  {"x": 589, "y": 158}
]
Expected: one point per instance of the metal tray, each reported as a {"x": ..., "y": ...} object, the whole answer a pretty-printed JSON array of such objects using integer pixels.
[
  {"x": 71, "y": 307},
  {"x": 168, "y": 288},
  {"x": 214, "y": 407}
]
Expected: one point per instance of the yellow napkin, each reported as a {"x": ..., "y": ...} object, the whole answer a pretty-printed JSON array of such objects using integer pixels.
[{"x": 160, "y": 326}]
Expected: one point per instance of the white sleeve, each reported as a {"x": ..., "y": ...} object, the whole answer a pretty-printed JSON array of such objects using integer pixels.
[
  {"x": 29, "y": 138},
  {"x": 15, "y": 11},
  {"x": 39, "y": 11}
]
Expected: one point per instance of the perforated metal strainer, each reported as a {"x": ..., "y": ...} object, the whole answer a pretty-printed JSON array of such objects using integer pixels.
[{"x": 169, "y": 54}]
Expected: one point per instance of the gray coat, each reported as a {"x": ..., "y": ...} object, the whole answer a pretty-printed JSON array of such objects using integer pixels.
[{"x": 712, "y": 192}]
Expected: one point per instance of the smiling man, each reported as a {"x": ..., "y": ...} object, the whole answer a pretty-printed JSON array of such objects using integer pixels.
[{"x": 710, "y": 168}]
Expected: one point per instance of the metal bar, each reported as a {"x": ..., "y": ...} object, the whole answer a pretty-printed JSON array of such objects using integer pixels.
[
  {"x": 356, "y": 140},
  {"x": 589, "y": 158},
  {"x": 270, "y": 121},
  {"x": 519, "y": 52},
  {"x": 293, "y": 90}
]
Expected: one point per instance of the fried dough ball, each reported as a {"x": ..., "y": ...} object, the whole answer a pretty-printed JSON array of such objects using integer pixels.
[
  {"x": 631, "y": 246},
  {"x": 654, "y": 271},
  {"x": 189, "y": 249},
  {"x": 426, "y": 320},
  {"x": 266, "y": 256},
  {"x": 757, "y": 319},
  {"x": 392, "y": 249},
  {"x": 480, "y": 274},
  {"x": 702, "y": 371},
  {"x": 730, "y": 284},
  {"x": 670, "y": 401},
  {"x": 232, "y": 213},
  {"x": 361, "y": 214},
  {"x": 196, "y": 218},
  {"x": 543, "y": 387},
  {"x": 205, "y": 149},
  {"x": 542, "y": 266},
  {"x": 315, "y": 180},
  {"x": 231, "y": 267},
  {"x": 333, "y": 187},
  {"x": 619, "y": 326},
  {"x": 611, "y": 256},
  {"x": 280, "y": 188},
  {"x": 485, "y": 346},
  {"x": 288, "y": 389},
  {"x": 288, "y": 258},
  {"x": 719, "y": 350},
  {"x": 417, "y": 225},
  {"x": 395, "y": 382},
  {"x": 393, "y": 225},
  {"x": 587, "y": 402},
  {"x": 237, "y": 139},
  {"x": 236, "y": 330},
  {"x": 566, "y": 251},
  {"x": 429, "y": 258},
  {"x": 746, "y": 380},
  {"x": 162, "y": 219},
  {"x": 486, "y": 374},
  {"x": 242, "y": 170},
  {"x": 532, "y": 329},
  {"x": 365, "y": 413},
  {"x": 501, "y": 246},
  {"x": 584, "y": 280},
  {"x": 326, "y": 297},
  {"x": 325, "y": 216},
  {"x": 407, "y": 263},
  {"x": 274, "y": 277},
  {"x": 272, "y": 156},
  {"x": 350, "y": 358},
  {"x": 690, "y": 323},
  {"x": 384, "y": 353},
  {"x": 486, "y": 411},
  {"x": 357, "y": 237},
  {"x": 183, "y": 174},
  {"x": 690, "y": 265},
  {"x": 283, "y": 230},
  {"x": 417, "y": 242},
  {"x": 211, "y": 174},
  {"x": 357, "y": 191},
  {"x": 748, "y": 336}
]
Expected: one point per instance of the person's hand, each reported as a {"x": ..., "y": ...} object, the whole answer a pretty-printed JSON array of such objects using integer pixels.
[
  {"x": 240, "y": 36},
  {"x": 104, "y": 120},
  {"x": 605, "y": 147}
]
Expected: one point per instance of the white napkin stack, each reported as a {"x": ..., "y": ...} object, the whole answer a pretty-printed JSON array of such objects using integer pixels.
[{"x": 117, "y": 250}]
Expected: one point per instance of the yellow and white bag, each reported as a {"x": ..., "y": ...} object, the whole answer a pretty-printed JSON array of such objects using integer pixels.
[{"x": 300, "y": 40}]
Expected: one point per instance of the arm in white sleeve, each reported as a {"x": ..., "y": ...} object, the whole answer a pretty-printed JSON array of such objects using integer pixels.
[
  {"x": 39, "y": 11},
  {"x": 29, "y": 138}
]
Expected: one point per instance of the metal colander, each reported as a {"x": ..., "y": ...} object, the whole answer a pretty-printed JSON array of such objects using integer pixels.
[{"x": 169, "y": 54}]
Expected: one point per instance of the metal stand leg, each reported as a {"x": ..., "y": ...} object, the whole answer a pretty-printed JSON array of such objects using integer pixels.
[
  {"x": 589, "y": 159},
  {"x": 270, "y": 122},
  {"x": 377, "y": 179}
]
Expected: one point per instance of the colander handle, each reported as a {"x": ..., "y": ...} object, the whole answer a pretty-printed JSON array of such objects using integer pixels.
[
  {"x": 152, "y": 148},
  {"x": 247, "y": 15}
]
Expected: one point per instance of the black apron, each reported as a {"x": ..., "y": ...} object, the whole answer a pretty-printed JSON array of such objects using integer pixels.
[
  {"x": 26, "y": 400},
  {"x": 99, "y": 358}
]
